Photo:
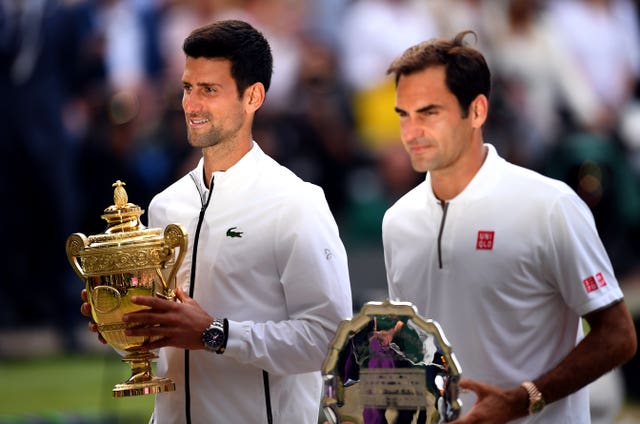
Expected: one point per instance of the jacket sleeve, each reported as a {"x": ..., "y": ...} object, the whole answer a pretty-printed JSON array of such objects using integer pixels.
[{"x": 312, "y": 264}]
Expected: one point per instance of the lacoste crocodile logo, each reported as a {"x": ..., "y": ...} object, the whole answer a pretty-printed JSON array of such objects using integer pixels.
[{"x": 232, "y": 233}]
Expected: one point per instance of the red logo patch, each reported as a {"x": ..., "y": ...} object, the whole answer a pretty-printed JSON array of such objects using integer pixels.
[
  {"x": 485, "y": 240},
  {"x": 600, "y": 279},
  {"x": 590, "y": 284}
]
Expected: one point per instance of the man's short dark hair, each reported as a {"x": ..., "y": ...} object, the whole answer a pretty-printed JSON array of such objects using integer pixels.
[
  {"x": 244, "y": 46},
  {"x": 466, "y": 70}
]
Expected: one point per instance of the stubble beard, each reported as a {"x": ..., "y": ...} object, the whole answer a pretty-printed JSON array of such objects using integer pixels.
[
  {"x": 210, "y": 138},
  {"x": 420, "y": 162}
]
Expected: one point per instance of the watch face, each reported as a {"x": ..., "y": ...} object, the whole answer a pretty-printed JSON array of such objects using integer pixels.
[
  {"x": 537, "y": 406},
  {"x": 213, "y": 337}
]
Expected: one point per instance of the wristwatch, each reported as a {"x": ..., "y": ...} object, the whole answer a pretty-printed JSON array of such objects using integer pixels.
[
  {"x": 536, "y": 401},
  {"x": 214, "y": 337}
]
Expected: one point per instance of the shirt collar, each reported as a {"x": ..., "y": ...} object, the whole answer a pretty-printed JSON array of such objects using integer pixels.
[{"x": 480, "y": 184}]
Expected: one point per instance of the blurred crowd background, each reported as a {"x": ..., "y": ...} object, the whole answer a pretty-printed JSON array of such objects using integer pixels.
[{"x": 91, "y": 91}]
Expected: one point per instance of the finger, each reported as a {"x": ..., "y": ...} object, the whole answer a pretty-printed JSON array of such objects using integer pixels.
[
  {"x": 94, "y": 328},
  {"x": 157, "y": 344},
  {"x": 148, "y": 331},
  {"x": 153, "y": 302},
  {"x": 83, "y": 295},
  {"x": 467, "y": 384},
  {"x": 144, "y": 318},
  {"x": 85, "y": 309}
]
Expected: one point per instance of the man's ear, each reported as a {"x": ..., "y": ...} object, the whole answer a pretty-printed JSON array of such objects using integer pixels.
[
  {"x": 254, "y": 96},
  {"x": 478, "y": 110}
]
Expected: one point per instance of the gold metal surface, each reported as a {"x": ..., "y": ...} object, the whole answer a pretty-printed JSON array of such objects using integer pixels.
[
  {"x": 128, "y": 259},
  {"x": 388, "y": 364}
]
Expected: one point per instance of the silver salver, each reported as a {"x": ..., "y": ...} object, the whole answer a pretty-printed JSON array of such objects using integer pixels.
[{"x": 389, "y": 365}]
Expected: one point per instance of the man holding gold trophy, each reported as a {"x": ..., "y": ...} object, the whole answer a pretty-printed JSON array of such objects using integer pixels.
[
  {"x": 505, "y": 259},
  {"x": 264, "y": 281}
]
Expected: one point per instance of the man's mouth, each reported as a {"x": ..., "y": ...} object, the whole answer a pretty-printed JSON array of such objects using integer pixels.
[
  {"x": 419, "y": 148},
  {"x": 195, "y": 122}
]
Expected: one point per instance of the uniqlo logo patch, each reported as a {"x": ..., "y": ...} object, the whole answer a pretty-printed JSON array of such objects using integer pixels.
[
  {"x": 594, "y": 283},
  {"x": 590, "y": 284},
  {"x": 485, "y": 240}
]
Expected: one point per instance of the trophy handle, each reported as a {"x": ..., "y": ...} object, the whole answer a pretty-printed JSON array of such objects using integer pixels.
[
  {"x": 175, "y": 236},
  {"x": 76, "y": 243}
]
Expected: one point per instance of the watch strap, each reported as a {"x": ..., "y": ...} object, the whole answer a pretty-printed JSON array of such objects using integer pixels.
[
  {"x": 536, "y": 401},
  {"x": 225, "y": 328}
]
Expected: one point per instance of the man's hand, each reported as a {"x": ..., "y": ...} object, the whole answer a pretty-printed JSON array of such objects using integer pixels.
[
  {"x": 85, "y": 309},
  {"x": 494, "y": 405},
  {"x": 178, "y": 323}
]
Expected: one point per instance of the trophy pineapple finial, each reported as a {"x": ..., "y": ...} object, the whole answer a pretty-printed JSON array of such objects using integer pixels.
[
  {"x": 122, "y": 216},
  {"x": 120, "y": 198}
]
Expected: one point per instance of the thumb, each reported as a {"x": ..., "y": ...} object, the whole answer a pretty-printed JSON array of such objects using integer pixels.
[
  {"x": 467, "y": 384},
  {"x": 181, "y": 295}
]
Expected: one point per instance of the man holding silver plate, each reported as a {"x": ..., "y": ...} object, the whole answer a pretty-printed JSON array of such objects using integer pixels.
[{"x": 506, "y": 260}]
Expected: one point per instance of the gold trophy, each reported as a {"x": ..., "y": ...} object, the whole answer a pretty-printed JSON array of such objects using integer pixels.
[{"x": 127, "y": 259}]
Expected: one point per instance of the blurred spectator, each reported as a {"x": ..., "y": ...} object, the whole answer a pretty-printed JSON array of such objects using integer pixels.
[
  {"x": 45, "y": 62},
  {"x": 600, "y": 172},
  {"x": 603, "y": 37},
  {"x": 320, "y": 144},
  {"x": 487, "y": 18},
  {"x": 373, "y": 189},
  {"x": 539, "y": 79},
  {"x": 371, "y": 34},
  {"x": 374, "y": 32}
]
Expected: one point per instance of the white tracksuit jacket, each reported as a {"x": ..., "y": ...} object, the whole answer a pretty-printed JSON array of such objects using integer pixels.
[{"x": 264, "y": 252}]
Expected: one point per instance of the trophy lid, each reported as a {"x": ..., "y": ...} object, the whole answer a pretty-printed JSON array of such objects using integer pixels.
[
  {"x": 122, "y": 216},
  {"x": 126, "y": 245}
]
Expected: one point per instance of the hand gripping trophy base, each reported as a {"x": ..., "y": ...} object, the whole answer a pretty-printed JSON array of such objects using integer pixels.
[{"x": 142, "y": 380}]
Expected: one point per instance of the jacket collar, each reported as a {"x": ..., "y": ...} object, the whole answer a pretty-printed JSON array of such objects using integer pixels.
[{"x": 232, "y": 176}]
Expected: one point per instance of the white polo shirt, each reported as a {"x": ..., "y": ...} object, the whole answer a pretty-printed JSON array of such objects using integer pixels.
[{"x": 507, "y": 271}]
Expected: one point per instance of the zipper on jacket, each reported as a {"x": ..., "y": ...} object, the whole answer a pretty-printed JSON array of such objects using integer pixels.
[
  {"x": 267, "y": 396},
  {"x": 444, "y": 206},
  {"x": 192, "y": 284}
]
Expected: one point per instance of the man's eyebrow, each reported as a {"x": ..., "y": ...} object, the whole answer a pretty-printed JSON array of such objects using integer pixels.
[
  {"x": 208, "y": 84},
  {"x": 428, "y": 108},
  {"x": 202, "y": 84},
  {"x": 423, "y": 109}
]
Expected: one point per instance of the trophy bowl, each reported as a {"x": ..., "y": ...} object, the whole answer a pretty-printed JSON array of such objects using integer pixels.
[
  {"x": 389, "y": 365},
  {"x": 128, "y": 259}
]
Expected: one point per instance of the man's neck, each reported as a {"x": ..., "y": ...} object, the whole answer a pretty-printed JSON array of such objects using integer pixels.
[
  {"x": 448, "y": 183},
  {"x": 220, "y": 157}
]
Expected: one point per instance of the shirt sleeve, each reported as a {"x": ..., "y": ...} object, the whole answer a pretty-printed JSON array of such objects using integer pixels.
[{"x": 579, "y": 264}]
